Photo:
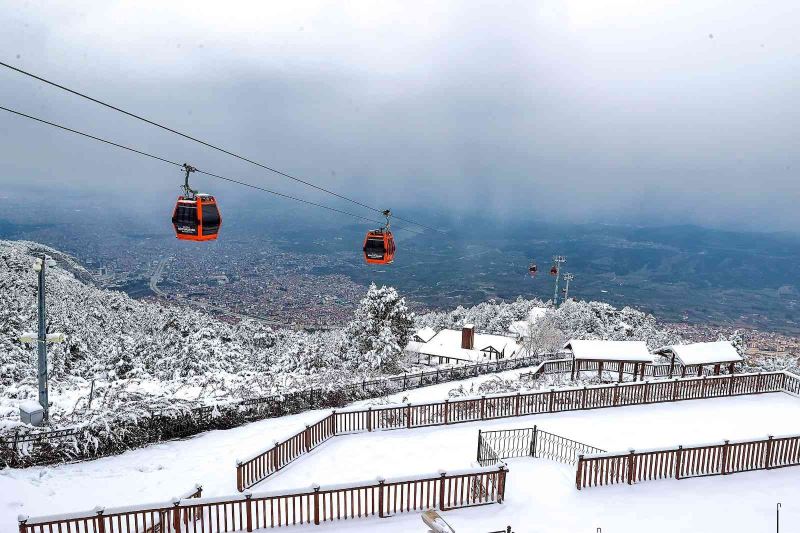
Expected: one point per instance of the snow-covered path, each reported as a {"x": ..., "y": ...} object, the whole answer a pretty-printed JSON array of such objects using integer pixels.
[{"x": 541, "y": 494}]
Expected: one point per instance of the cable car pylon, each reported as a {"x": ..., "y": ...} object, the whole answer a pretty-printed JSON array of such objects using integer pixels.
[{"x": 555, "y": 270}]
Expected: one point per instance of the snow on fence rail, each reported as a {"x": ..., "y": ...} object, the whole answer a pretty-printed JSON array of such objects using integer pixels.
[
  {"x": 687, "y": 461},
  {"x": 250, "y": 511},
  {"x": 261, "y": 466},
  {"x": 529, "y": 442}
]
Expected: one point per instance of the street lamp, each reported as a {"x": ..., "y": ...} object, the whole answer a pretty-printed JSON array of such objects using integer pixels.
[{"x": 41, "y": 338}]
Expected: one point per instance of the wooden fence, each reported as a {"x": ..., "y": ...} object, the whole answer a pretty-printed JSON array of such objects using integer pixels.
[
  {"x": 140, "y": 519},
  {"x": 251, "y": 511},
  {"x": 687, "y": 461},
  {"x": 529, "y": 442},
  {"x": 258, "y": 468}
]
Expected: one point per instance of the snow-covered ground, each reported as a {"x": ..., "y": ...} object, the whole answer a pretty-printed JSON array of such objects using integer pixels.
[{"x": 541, "y": 495}]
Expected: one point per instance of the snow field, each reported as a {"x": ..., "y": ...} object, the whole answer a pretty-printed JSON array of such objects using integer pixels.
[{"x": 540, "y": 497}]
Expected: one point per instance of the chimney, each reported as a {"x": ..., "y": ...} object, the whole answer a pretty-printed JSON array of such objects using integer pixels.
[{"x": 468, "y": 337}]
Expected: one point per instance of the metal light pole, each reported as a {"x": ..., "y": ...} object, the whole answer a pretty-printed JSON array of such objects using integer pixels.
[
  {"x": 558, "y": 260},
  {"x": 778, "y": 518},
  {"x": 567, "y": 277},
  {"x": 41, "y": 338}
]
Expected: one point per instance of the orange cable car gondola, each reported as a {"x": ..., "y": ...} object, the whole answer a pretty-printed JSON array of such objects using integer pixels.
[
  {"x": 196, "y": 216},
  {"x": 379, "y": 246}
]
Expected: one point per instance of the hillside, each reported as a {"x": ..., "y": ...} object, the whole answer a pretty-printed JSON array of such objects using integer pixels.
[
  {"x": 137, "y": 351},
  {"x": 144, "y": 356}
]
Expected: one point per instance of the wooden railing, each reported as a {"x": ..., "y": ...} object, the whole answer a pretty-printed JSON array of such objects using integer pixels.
[
  {"x": 258, "y": 468},
  {"x": 155, "y": 518},
  {"x": 251, "y": 511},
  {"x": 529, "y": 442},
  {"x": 687, "y": 461},
  {"x": 250, "y": 472}
]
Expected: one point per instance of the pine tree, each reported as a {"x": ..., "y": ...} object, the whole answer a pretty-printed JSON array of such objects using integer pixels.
[{"x": 380, "y": 329}]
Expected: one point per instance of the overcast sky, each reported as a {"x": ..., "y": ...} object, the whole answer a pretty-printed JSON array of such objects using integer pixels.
[{"x": 618, "y": 111}]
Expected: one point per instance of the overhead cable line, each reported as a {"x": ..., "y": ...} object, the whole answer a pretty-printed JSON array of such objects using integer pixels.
[
  {"x": 213, "y": 175},
  {"x": 205, "y": 143}
]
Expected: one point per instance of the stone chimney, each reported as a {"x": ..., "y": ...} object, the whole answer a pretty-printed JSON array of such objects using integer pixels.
[{"x": 468, "y": 337}]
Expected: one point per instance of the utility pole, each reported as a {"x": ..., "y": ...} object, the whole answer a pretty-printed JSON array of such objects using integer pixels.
[
  {"x": 567, "y": 277},
  {"x": 558, "y": 260}
]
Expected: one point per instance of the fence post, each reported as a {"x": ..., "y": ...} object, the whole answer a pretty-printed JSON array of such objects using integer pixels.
[
  {"x": 517, "y": 401},
  {"x": 404, "y": 381},
  {"x": 446, "y": 412},
  {"x": 616, "y": 394},
  {"x": 333, "y": 422},
  {"x": 533, "y": 441},
  {"x": 381, "y": 483},
  {"x": 483, "y": 407},
  {"x": 760, "y": 383},
  {"x": 646, "y": 392},
  {"x": 678, "y": 461},
  {"x": 479, "y": 447},
  {"x": 99, "y": 520},
  {"x": 730, "y": 384},
  {"x": 579, "y": 472},
  {"x": 725, "y": 457},
  {"x": 369, "y": 418},
  {"x": 583, "y": 398},
  {"x": 768, "y": 458},
  {"x": 703, "y": 387},
  {"x": 550, "y": 401},
  {"x": 441, "y": 490},
  {"x": 501, "y": 484},
  {"x": 239, "y": 480},
  {"x": 276, "y": 456},
  {"x": 248, "y": 511},
  {"x": 631, "y": 465},
  {"x": 316, "y": 505},
  {"x": 408, "y": 416},
  {"x": 176, "y": 515},
  {"x": 307, "y": 438},
  {"x": 674, "y": 389}
]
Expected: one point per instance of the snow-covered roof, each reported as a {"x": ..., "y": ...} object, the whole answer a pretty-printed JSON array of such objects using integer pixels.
[
  {"x": 703, "y": 353},
  {"x": 536, "y": 313},
  {"x": 425, "y": 334},
  {"x": 447, "y": 343},
  {"x": 596, "y": 350},
  {"x": 520, "y": 327}
]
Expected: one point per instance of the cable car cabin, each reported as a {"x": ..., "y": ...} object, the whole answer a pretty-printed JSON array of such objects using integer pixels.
[
  {"x": 196, "y": 218},
  {"x": 554, "y": 270},
  {"x": 379, "y": 247},
  {"x": 532, "y": 270}
]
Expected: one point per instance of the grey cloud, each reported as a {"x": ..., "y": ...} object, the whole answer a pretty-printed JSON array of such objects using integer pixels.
[{"x": 562, "y": 111}]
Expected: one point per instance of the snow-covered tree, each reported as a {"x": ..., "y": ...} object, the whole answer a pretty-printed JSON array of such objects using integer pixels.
[
  {"x": 543, "y": 335},
  {"x": 379, "y": 331}
]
